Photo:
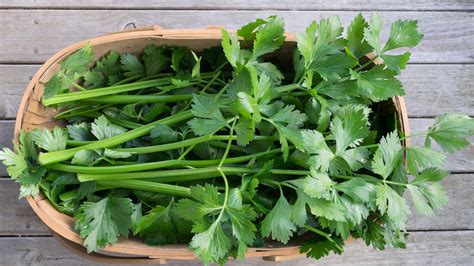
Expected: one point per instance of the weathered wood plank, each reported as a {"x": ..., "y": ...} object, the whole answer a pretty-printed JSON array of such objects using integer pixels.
[
  {"x": 246, "y": 4},
  {"x": 37, "y": 34},
  {"x": 19, "y": 219},
  {"x": 462, "y": 161},
  {"x": 430, "y": 89},
  {"x": 6, "y": 135},
  {"x": 13, "y": 82},
  {"x": 435, "y": 89},
  {"x": 423, "y": 248}
]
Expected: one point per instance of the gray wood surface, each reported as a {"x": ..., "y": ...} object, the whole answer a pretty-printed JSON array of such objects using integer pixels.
[
  {"x": 36, "y": 34},
  {"x": 247, "y": 4},
  {"x": 423, "y": 248},
  {"x": 450, "y": 94},
  {"x": 438, "y": 79}
]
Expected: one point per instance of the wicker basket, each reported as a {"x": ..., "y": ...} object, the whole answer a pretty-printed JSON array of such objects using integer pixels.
[{"x": 32, "y": 114}]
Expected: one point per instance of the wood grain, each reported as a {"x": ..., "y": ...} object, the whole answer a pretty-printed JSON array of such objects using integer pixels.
[
  {"x": 429, "y": 248},
  {"x": 435, "y": 89},
  {"x": 17, "y": 218},
  {"x": 246, "y": 4},
  {"x": 36, "y": 34},
  {"x": 430, "y": 89},
  {"x": 13, "y": 82}
]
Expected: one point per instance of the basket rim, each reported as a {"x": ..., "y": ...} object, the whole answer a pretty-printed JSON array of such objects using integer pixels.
[{"x": 43, "y": 208}]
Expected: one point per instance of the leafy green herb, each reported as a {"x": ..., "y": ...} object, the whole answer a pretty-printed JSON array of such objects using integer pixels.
[{"x": 227, "y": 148}]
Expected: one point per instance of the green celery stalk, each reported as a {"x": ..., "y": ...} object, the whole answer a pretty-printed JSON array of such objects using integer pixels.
[
  {"x": 81, "y": 95},
  {"x": 59, "y": 156},
  {"x": 153, "y": 165},
  {"x": 185, "y": 143},
  {"x": 177, "y": 175},
  {"x": 126, "y": 99},
  {"x": 148, "y": 186}
]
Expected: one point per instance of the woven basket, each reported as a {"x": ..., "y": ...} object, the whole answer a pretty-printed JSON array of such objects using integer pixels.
[{"x": 32, "y": 114}]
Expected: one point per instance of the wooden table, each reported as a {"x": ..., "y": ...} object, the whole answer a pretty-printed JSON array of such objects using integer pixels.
[{"x": 439, "y": 78}]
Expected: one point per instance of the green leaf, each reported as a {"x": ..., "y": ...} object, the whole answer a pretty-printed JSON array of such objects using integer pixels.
[
  {"x": 373, "y": 234},
  {"x": 317, "y": 249},
  {"x": 55, "y": 85},
  {"x": 249, "y": 30},
  {"x": 327, "y": 209},
  {"x": 269, "y": 37},
  {"x": 351, "y": 129},
  {"x": 388, "y": 155},
  {"x": 356, "y": 213},
  {"x": 15, "y": 162},
  {"x": 161, "y": 226},
  {"x": 30, "y": 181},
  {"x": 289, "y": 116},
  {"x": 116, "y": 154},
  {"x": 357, "y": 189},
  {"x": 419, "y": 158},
  {"x": 155, "y": 59},
  {"x": 264, "y": 92},
  {"x": 249, "y": 106},
  {"x": 278, "y": 223},
  {"x": 79, "y": 61},
  {"x": 396, "y": 62},
  {"x": 196, "y": 72},
  {"x": 403, "y": 33},
  {"x": 80, "y": 132},
  {"x": 372, "y": 34},
  {"x": 94, "y": 79},
  {"x": 242, "y": 227},
  {"x": 271, "y": 71},
  {"x": 85, "y": 157},
  {"x": 431, "y": 174},
  {"x": 318, "y": 185},
  {"x": 451, "y": 131},
  {"x": 103, "y": 129},
  {"x": 396, "y": 207},
  {"x": 315, "y": 144},
  {"x": 329, "y": 30},
  {"x": 378, "y": 83},
  {"x": 131, "y": 65},
  {"x": 109, "y": 64},
  {"x": 50, "y": 141},
  {"x": 206, "y": 202},
  {"x": 245, "y": 131},
  {"x": 136, "y": 214},
  {"x": 231, "y": 47},
  {"x": 355, "y": 37},
  {"x": 179, "y": 56},
  {"x": 86, "y": 189},
  {"x": 305, "y": 43},
  {"x": 427, "y": 197},
  {"x": 100, "y": 223},
  {"x": 212, "y": 244},
  {"x": 27, "y": 146},
  {"x": 163, "y": 134},
  {"x": 210, "y": 118},
  {"x": 334, "y": 66},
  {"x": 299, "y": 215}
]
